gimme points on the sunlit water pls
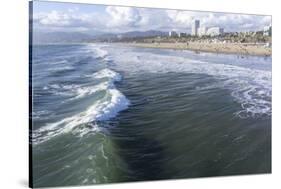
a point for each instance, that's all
(108, 113)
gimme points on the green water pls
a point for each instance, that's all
(108, 114)
(170, 131)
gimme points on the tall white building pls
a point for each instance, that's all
(202, 31)
(194, 27)
(214, 31)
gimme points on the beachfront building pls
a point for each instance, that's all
(202, 31)
(195, 26)
(267, 31)
(214, 31)
(173, 34)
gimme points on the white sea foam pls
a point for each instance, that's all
(85, 91)
(250, 87)
(100, 110)
(80, 91)
(59, 62)
(38, 114)
(62, 90)
(62, 68)
(99, 51)
(107, 73)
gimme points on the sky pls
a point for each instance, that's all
(89, 18)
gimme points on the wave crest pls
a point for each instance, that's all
(102, 109)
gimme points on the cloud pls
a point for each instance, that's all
(122, 19)
(122, 16)
(181, 17)
(235, 22)
(69, 20)
(55, 18)
(228, 21)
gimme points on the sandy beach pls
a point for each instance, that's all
(233, 48)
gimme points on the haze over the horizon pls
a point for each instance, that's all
(89, 18)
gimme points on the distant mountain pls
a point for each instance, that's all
(150, 33)
(76, 37)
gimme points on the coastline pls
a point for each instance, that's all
(228, 48)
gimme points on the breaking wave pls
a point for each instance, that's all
(102, 109)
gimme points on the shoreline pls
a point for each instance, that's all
(226, 48)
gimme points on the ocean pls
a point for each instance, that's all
(107, 113)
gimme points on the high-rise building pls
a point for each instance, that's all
(202, 31)
(194, 27)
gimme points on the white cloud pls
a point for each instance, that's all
(122, 16)
(181, 17)
(121, 19)
(56, 18)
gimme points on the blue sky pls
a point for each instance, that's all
(73, 17)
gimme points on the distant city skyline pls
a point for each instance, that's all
(90, 18)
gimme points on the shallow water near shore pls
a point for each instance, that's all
(105, 113)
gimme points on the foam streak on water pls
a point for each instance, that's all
(250, 87)
(98, 51)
